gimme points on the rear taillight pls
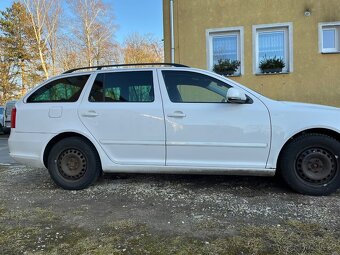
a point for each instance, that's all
(13, 117)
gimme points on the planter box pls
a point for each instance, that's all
(226, 73)
(272, 70)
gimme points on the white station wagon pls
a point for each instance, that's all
(169, 118)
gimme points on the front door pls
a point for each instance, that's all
(202, 130)
(123, 111)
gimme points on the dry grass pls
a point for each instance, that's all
(39, 231)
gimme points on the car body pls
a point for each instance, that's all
(171, 120)
(7, 116)
(1, 117)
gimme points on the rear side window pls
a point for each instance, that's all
(134, 86)
(61, 90)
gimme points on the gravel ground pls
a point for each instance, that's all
(163, 214)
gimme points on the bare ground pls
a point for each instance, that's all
(163, 214)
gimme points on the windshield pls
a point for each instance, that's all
(9, 108)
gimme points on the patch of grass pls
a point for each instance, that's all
(2, 210)
(207, 224)
(123, 225)
(32, 232)
(130, 238)
(292, 238)
(16, 240)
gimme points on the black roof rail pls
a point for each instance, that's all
(122, 65)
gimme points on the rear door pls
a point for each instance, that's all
(123, 111)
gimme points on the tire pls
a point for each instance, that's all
(310, 164)
(74, 164)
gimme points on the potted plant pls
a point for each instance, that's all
(272, 65)
(226, 67)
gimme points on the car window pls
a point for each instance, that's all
(190, 93)
(9, 107)
(191, 87)
(134, 86)
(1, 111)
(61, 90)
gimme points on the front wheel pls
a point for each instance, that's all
(310, 164)
(73, 163)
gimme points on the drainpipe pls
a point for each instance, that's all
(172, 35)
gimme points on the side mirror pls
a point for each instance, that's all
(236, 96)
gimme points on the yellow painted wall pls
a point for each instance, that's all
(316, 76)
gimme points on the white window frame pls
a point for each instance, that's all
(288, 31)
(329, 26)
(220, 32)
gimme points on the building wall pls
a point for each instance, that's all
(315, 77)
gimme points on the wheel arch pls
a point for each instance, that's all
(61, 136)
(322, 131)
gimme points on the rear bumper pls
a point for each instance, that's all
(29, 160)
(28, 148)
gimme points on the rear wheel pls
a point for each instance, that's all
(310, 164)
(73, 163)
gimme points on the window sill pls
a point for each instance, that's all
(330, 52)
(260, 74)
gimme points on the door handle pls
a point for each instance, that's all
(90, 114)
(177, 114)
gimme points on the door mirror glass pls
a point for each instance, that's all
(236, 96)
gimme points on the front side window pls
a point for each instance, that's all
(61, 90)
(134, 86)
(190, 87)
(329, 34)
(273, 48)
